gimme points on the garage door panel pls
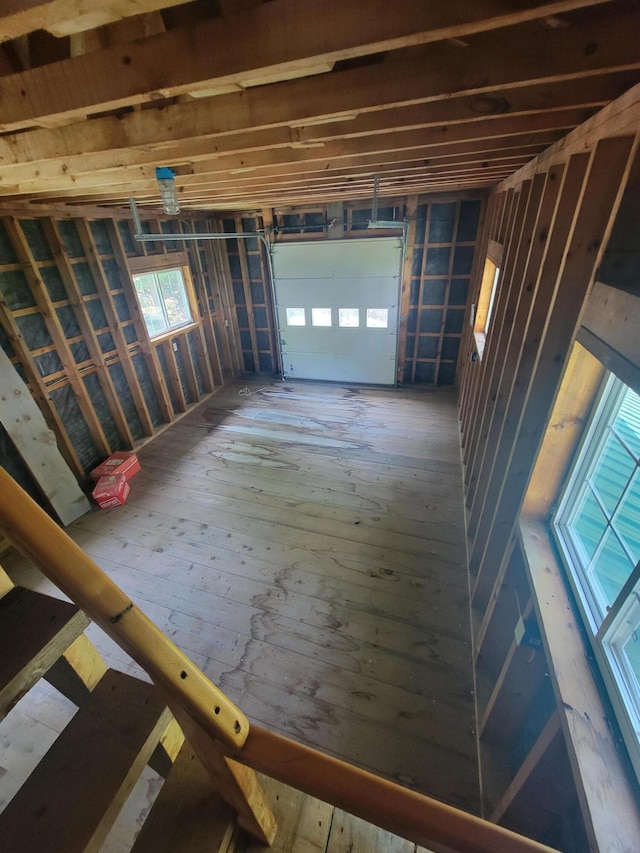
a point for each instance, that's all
(338, 259)
(307, 292)
(328, 367)
(344, 350)
(346, 344)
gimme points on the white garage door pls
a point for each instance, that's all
(337, 305)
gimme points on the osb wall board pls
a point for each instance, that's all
(442, 235)
(71, 325)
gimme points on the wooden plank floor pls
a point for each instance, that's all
(305, 546)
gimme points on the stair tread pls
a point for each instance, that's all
(188, 816)
(35, 629)
(71, 799)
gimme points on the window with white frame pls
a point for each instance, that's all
(597, 526)
(164, 300)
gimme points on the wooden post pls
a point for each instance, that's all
(405, 293)
(238, 785)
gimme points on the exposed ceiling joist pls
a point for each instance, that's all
(65, 17)
(272, 39)
(431, 96)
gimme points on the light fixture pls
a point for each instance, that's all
(168, 191)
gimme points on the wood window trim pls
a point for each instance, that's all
(604, 780)
(482, 309)
(159, 263)
(606, 793)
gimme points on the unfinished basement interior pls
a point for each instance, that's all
(319, 426)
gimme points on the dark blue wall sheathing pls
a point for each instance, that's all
(12, 463)
(162, 358)
(68, 409)
(121, 385)
(99, 403)
(191, 340)
(148, 391)
(183, 376)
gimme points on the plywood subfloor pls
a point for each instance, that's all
(305, 546)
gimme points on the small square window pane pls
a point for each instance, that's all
(174, 294)
(321, 316)
(611, 568)
(588, 524)
(349, 318)
(296, 317)
(627, 519)
(627, 423)
(377, 318)
(623, 640)
(150, 303)
(612, 472)
(631, 653)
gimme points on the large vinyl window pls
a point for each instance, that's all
(164, 300)
(597, 525)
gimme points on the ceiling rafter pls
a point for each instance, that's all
(274, 40)
(430, 96)
(65, 17)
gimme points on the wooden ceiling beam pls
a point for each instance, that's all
(269, 41)
(204, 201)
(269, 141)
(392, 147)
(510, 131)
(353, 181)
(344, 194)
(326, 186)
(418, 158)
(66, 17)
(71, 170)
(354, 94)
(513, 158)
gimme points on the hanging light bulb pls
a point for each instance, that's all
(168, 190)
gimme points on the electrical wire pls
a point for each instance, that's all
(247, 392)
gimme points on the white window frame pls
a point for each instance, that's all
(189, 294)
(609, 625)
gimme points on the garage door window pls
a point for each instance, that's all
(296, 317)
(349, 318)
(321, 316)
(377, 318)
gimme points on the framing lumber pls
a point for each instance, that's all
(299, 32)
(37, 446)
(66, 17)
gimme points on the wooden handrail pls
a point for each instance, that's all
(37, 536)
(418, 818)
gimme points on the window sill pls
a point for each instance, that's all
(173, 333)
(607, 795)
